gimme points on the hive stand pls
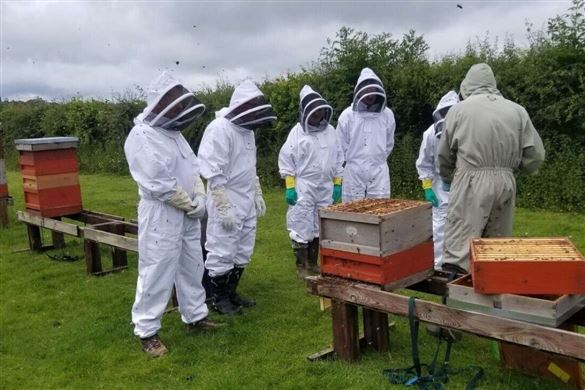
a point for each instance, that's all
(100, 228)
(348, 296)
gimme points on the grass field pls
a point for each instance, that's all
(63, 329)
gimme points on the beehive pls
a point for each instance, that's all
(50, 175)
(529, 266)
(380, 241)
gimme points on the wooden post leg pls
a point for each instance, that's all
(93, 261)
(376, 330)
(4, 212)
(58, 238)
(35, 241)
(119, 257)
(345, 330)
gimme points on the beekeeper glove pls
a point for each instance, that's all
(336, 190)
(199, 200)
(259, 200)
(427, 185)
(225, 210)
(291, 193)
(181, 200)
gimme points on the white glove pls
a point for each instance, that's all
(225, 210)
(181, 200)
(198, 203)
(259, 200)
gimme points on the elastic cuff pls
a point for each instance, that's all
(289, 181)
(427, 183)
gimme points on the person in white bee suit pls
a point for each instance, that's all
(487, 140)
(227, 156)
(366, 129)
(427, 166)
(310, 161)
(172, 200)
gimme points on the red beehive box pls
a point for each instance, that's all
(530, 266)
(50, 175)
(380, 241)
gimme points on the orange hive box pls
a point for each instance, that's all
(50, 175)
(387, 242)
(529, 266)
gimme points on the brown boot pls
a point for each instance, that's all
(206, 324)
(153, 346)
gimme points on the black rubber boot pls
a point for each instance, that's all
(234, 280)
(220, 295)
(313, 258)
(206, 281)
(301, 252)
(453, 268)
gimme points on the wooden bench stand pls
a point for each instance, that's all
(100, 228)
(347, 296)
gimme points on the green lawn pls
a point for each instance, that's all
(63, 329)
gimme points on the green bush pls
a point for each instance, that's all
(548, 78)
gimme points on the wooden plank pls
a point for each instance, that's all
(48, 223)
(345, 330)
(94, 217)
(115, 240)
(110, 271)
(522, 333)
(93, 260)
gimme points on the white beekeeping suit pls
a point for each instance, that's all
(366, 129)
(427, 166)
(227, 156)
(310, 161)
(172, 198)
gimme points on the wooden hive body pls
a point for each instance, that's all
(49, 169)
(380, 241)
(530, 266)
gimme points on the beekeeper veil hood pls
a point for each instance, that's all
(315, 112)
(447, 101)
(479, 79)
(369, 94)
(170, 105)
(248, 107)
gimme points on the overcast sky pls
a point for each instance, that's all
(59, 49)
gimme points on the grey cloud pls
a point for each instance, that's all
(95, 48)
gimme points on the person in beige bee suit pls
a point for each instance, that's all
(487, 140)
